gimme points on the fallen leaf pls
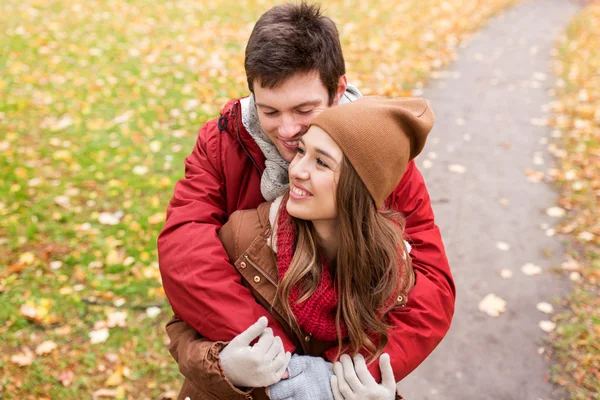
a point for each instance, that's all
(152, 312)
(168, 395)
(111, 357)
(116, 378)
(547, 326)
(63, 201)
(54, 265)
(15, 268)
(555, 212)
(534, 176)
(156, 218)
(155, 146)
(24, 358)
(506, 274)
(66, 378)
(545, 307)
(45, 347)
(140, 170)
(104, 393)
(63, 330)
(107, 218)
(99, 336)
(571, 265)
(27, 258)
(575, 276)
(115, 257)
(539, 121)
(502, 246)
(541, 350)
(586, 236)
(117, 318)
(457, 168)
(492, 305)
(531, 269)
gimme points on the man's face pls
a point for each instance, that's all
(286, 111)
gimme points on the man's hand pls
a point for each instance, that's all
(260, 365)
(354, 382)
(308, 380)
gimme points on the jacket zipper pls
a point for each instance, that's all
(237, 131)
(267, 277)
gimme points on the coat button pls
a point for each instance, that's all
(243, 264)
(307, 338)
(257, 279)
(400, 298)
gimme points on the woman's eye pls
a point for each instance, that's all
(322, 163)
(300, 151)
(270, 113)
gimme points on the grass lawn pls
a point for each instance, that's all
(100, 103)
(577, 119)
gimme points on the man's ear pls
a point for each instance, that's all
(341, 89)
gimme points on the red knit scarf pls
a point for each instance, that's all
(315, 315)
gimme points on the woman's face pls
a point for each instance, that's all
(314, 174)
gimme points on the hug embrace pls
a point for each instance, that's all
(300, 254)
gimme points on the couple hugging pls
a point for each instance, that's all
(300, 254)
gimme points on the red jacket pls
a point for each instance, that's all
(222, 175)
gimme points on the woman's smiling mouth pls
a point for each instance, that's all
(297, 193)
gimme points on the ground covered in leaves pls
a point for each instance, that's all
(101, 103)
(577, 147)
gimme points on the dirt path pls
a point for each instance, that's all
(489, 107)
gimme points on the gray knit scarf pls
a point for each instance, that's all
(274, 181)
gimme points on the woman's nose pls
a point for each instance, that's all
(299, 170)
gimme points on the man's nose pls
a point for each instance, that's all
(288, 128)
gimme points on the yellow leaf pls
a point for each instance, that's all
(156, 218)
(27, 258)
(114, 257)
(116, 378)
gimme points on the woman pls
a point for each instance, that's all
(326, 260)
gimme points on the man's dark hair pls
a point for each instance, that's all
(290, 39)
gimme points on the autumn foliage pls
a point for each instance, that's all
(577, 176)
(101, 101)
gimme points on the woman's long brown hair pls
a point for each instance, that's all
(370, 270)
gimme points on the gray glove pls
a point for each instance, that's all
(309, 379)
(260, 365)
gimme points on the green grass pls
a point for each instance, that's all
(101, 101)
(575, 342)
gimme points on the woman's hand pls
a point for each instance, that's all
(308, 380)
(354, 381)
(260, 365)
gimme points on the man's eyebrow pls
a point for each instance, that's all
(315, 102)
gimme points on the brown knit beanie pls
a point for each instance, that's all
(379, 137)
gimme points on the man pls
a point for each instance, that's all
(295, 69)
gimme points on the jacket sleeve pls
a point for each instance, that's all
(421, 325)
(198, 360)
(204, 289)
